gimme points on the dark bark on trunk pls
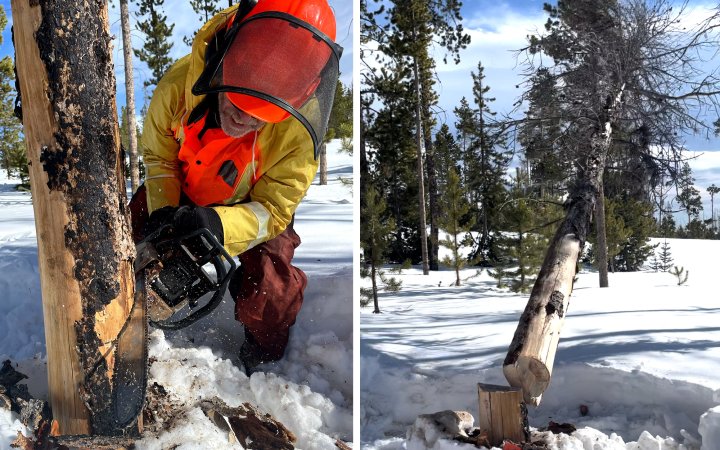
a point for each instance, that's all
(457, 266)
(600, 230)
(373, 276)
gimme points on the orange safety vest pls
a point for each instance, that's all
(217, 169)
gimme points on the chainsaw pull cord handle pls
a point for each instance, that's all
(218, 260)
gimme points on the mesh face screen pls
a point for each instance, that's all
(275, 68)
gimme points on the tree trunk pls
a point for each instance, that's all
(420, 171)
(434, 251)
(531, 355)
(600, 230)
(130, 96)
(85, 251)
(373, 275)
(323, 165)
(433, 197)
(457, 262)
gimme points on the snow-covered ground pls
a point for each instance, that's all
(310, 390)
(642, 355)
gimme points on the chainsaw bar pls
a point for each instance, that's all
(131, 355)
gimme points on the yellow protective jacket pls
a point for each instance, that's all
(267, 195)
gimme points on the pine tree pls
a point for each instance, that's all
(455, 209)
(541, 137)
(375, 231)
(340, 122)
(486, 170)
(205, 9)
(414, 24)
(522, 244)
(712, 190)
(156, 50)
(665, 257)
(12, 146)
(689, 197)
(465, 126)
(639, 225)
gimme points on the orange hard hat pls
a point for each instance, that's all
(280, 54)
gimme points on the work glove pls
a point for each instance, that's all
(192, 218)
(158, 218)
(185, 220)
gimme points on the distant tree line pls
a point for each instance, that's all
(598, 150)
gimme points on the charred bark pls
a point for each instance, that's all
(65, 71)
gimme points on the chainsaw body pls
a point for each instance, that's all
(177, 271)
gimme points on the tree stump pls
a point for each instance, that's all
(502, 413)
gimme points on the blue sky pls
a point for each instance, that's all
(186, 22)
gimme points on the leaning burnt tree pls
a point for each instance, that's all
(85, 251)
(630, 65)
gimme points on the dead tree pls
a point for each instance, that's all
(85, 251)
(616, 65)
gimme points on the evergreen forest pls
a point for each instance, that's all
(594, 148)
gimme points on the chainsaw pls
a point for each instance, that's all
(171, 276)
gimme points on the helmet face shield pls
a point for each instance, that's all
(274, 66)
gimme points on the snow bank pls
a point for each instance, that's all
(642, 355)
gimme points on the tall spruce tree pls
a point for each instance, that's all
(156, 49)
(541, 137)
(487, 165)
(465, 128)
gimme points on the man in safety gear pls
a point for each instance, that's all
(230, 144)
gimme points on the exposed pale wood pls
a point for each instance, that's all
(85, 251)
(502, 413)
(534, 353)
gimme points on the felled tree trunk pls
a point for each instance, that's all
(85, 252)
(530, 358)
